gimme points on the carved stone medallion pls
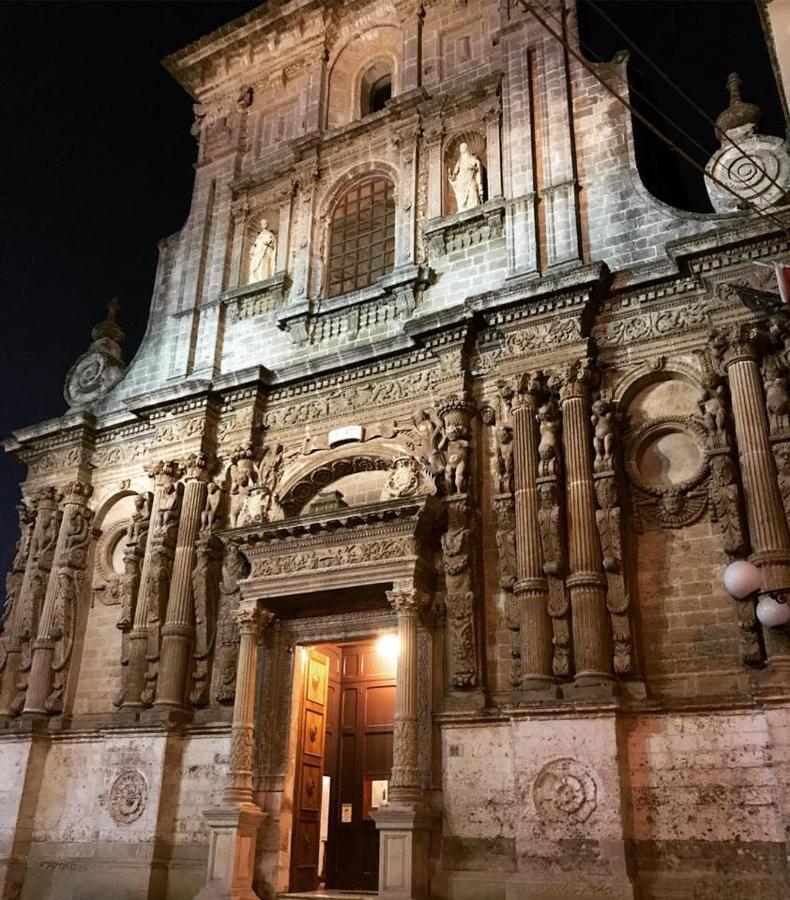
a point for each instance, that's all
(128, 797)
(564, 792)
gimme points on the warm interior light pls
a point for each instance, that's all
(388, 646)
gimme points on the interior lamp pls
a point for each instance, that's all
(742, 578)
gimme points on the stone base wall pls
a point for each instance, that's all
(695, 807)
(108, 815)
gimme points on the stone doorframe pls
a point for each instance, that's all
(393, 542)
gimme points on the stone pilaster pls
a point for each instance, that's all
(405, 781)
(411, 15)
(133, 670)
(234, 825)
(531, 587)
(22, 626)
(55, 638)
(404, 824)
(768, 528)
(586, 580)
(405, 139)
(178, 631)
(433, 132)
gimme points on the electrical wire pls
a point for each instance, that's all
(528, 7)
(676, 87)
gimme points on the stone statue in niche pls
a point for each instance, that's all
(263, 255)
(466, 179)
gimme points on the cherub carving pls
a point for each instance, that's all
(549, 446)
(603, 420)
(456, 448)
(169, 504)
(270, 467)
(713, 408)
(209, 518)
(428, 428)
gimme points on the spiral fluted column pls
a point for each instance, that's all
(178, 631)
(586, 581)
(531, 587)
(768, 529)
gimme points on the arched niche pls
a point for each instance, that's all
(375, 86)
(268, 218)
(96, 663)
(476, 142)
(379, 46)
(649, 394)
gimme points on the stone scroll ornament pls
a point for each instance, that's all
(499, 420)
(725, 502)
(101, 366)
(551, 523)
(69, 572)
(205, 592)
(16, 574)
(34, 587)
(452, 457)
(160, 567)
(751, 169)
(235, 567)
(609, 517)
(565, 793)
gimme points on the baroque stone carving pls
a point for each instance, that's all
(235, 567)
(564, 792)
(101, 366)
(205, 592)
(750, 169)
(458, 561)
(345, 555)
(128, 797)
(624, 331)
(408, 478)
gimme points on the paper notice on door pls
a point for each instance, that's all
(378, 794)
(346, 812)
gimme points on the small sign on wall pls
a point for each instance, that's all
(346, 812)
(348, 434)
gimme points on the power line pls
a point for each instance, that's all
(528, 7)
(679, 90)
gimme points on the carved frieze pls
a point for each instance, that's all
(128, 797)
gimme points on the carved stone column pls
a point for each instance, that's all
(52, 647)
(405, 782)
(234, 825)
(768, 528)
(531, 587)
(21, 614)
(405, 138)
(179, 629)
(404, 824)
(586, 581)
(133, 669)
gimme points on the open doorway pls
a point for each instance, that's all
(343, 763)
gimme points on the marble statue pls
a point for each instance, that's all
(263, 254)
(466, 180)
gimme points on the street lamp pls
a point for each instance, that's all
(742, 578)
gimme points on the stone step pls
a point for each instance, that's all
(327, 895)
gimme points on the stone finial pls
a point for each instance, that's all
(101, 366)
(739, 112)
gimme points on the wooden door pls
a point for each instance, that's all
(309, 775)
(364, 756)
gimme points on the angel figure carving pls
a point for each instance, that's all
(466, 179)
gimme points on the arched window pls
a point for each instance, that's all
(361, 236)
(375, 88)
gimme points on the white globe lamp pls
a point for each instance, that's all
(771, 613)
(741, 578)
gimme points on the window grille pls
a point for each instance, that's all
(361, 236)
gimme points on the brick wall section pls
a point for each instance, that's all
(689, 624)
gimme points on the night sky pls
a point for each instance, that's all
(96, 162)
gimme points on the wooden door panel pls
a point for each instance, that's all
(309, 774)
(364, 751)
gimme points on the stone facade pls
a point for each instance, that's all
(530, 446)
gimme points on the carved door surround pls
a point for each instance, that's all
(388, 544)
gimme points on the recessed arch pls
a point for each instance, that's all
(316, 472)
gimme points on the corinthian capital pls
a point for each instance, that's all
(405, 599)
(251, 618)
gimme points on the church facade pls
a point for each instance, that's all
(394, 560)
